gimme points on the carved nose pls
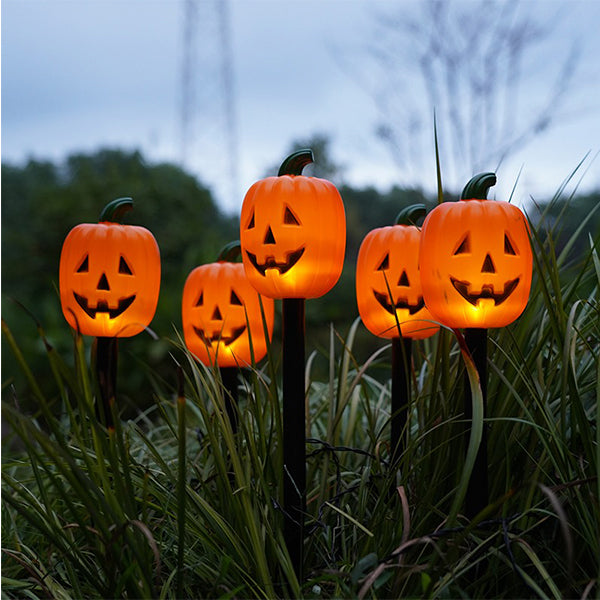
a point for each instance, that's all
(216, 316)
(488, 265)
(103, 283)
(403, 279)
(269, 237)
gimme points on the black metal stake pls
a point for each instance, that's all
(401, 360)
(477, 491)
(229, 376)
(294, 435)
(106, 371)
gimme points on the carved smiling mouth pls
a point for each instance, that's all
(384, 300)
(217, 337)
(487, 291)
(102, 306)
(271, 263)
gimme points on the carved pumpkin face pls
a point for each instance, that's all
(293, 236)
(388, 284)
(222, 320)
(109, 279)
(476, 263)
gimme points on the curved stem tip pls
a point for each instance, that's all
(114, 211)
(411, 214)
(478, 186)
(230, 252)
(295, 162)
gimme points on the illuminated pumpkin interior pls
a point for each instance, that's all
(486, 289)
(476, 261)
(102, 293)
(222, 318)
(293, 233)
(388, 283)
(288, 259)
(109, 278)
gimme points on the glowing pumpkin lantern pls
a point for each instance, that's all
(221, 313)
(109, 275)
(476, 259)
(293, 232)
(388, 281)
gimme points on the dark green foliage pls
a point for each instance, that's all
(173, 504)
(41, 202)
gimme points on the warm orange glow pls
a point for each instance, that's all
(109, 279)
(388, 285)
(222, 320)
(293, 236)
(476, 263)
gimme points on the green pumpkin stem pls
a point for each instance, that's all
(230, 252)
(295, 162)
(478, 187)
(114, 211)
(410, 215)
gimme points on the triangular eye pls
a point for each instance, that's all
(251, 223)
(464, 247)
(508, 247)
(124, 267)
(385, 263)
(234, 299)
(84, 267)
(289, 218)
(200, 300)
(404, 279)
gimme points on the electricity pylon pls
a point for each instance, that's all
(208, 125)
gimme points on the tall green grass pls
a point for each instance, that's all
(174, 504)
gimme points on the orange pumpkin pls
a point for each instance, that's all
(476, 259)
(109, 275)
(388, 281)
(293, 233)
(221, 314)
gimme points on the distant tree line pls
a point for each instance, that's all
(42, 201)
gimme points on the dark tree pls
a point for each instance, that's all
(42, 201)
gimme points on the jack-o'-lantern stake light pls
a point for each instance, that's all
(475, 259)
(390, 303)
(293, 232)
(293, 237)
(222, 315)
(388, 280)
(109, 280)
(109, 275)
(224, 320)
(476, 269)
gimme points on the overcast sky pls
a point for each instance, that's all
(82, 74)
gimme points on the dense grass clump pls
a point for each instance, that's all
(175, 504)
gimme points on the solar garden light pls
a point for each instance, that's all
(293, 237)
(109, 280)
(390, 303)
(476, 267)
(225, 321)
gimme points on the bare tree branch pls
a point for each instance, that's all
(473, 63)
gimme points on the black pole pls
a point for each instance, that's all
(106, 371)
(229, 376)
(401, 361)
(294, 436)
(477, 491)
